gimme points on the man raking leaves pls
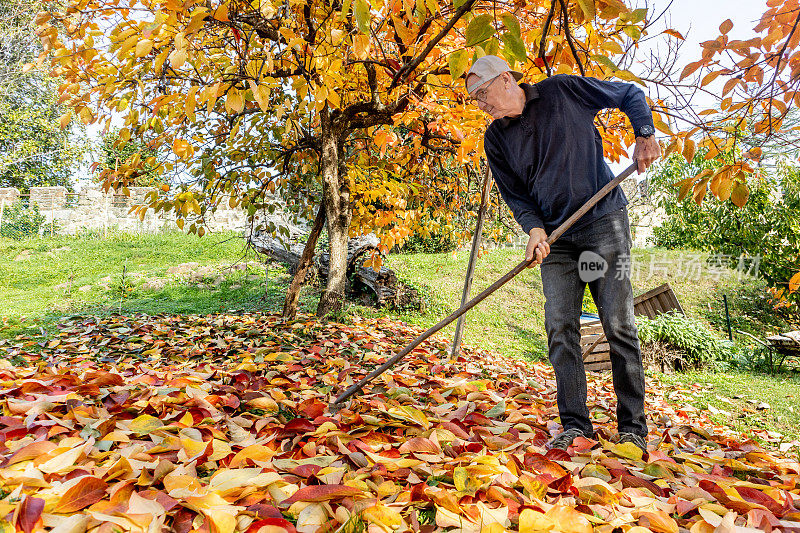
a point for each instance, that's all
(546, 157)
(547, 160)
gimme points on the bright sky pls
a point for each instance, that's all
(699, 20)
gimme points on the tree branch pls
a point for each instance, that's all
(414, 63)
(569, 37)
(543, 42)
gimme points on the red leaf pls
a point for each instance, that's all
(30, 510)
(299, 425)
(279, 522)
(305, 470)
(84, 493)
(756, 496)
(321, 493)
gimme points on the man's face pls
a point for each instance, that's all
(492, 96)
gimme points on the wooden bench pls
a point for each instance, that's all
(595, 348)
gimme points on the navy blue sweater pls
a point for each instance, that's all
(548, 161)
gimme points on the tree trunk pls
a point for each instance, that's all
(293, 293)
(336, 198)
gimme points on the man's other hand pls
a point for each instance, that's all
(647, 150)
(537, 246)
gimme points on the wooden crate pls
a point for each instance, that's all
(662, 299)
(599, 358)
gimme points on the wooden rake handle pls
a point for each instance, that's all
(558, 232)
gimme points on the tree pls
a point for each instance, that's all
(766, 227)
(256, 97)
(34, 150)
(116, 151)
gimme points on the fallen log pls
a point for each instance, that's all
(383, 284)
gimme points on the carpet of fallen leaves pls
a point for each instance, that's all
(221, 423)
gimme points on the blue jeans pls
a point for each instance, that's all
(565, 273)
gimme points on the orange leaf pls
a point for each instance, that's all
(794, 283)
(691, 67)
(659, 521)
(725, 27)
(689, 149)
(674, 33)
(84, 493)
(419, 444)
(32, 450)
(321, 493)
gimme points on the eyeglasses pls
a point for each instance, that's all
(480, 94)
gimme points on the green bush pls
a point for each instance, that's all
(20, 222)
(699, 345)
(435, 244)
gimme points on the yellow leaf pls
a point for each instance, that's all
(662, 127)
(62, 462)
(143, 47)
(740, 193)
(568, 519)
(191, 104)
(531, 521)
(460, 478)
(588, 8)
(627, 450)
(221, 514)
(234, 102)
(65, 119)
(383, 515)
(145, 424)
(222, 13)
(312, 517)
(178, 57)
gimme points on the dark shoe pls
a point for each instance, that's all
(563, 440)
(634, 438)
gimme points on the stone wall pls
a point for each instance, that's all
(93, 209)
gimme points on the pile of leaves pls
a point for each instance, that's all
(222, 423)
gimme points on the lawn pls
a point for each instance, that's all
(44, 279)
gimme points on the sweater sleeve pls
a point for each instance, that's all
(511, 188)
(597, 95)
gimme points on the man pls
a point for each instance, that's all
(546, 157)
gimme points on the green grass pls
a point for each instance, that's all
(30, 271)
(734, 398)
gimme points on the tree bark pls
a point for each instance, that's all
(306, 260)
(336, 198)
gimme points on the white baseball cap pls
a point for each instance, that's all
(487, 68)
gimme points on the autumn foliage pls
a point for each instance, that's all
(221, 423)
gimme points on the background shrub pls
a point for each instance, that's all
(21, 221)
(698, 346)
